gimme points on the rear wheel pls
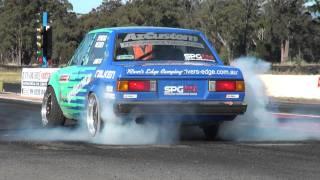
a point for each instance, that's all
(93, 115)
(211, 131)
(51, 113)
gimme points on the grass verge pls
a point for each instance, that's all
(10, 77)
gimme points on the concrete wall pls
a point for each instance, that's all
(292, 86)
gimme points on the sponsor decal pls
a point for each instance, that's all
(36, 91)
(105, 74)
(188, 90)
(209, 72)
(157, 36)
(184, 63)
(161, 39)
(99, 44)
(232, 96)
(161, 43)
(64, 78)
(199, 57)
(109, 88)
(102, 38)
(124, 57)
(76, 89)
(34, 83)
(101, 41)
(130, 96)
(97, 61)
(37, 74)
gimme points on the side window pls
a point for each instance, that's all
(98, 50)
(74, 59)
(81, 55)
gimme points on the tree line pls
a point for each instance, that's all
(275, 30)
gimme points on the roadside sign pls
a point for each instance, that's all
(34, 81)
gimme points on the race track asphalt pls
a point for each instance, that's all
(191, 158)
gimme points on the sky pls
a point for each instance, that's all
(84, 6)
(310, 2)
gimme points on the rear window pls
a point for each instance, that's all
(161, 46)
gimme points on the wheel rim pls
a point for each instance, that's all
(46, 109)
(93, 116)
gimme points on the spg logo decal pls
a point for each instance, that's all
(188, 90)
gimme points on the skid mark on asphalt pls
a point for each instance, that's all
(274, 144)
(60, 147)
(80, 146)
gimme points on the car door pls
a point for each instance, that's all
(95, 55)
(71, 83)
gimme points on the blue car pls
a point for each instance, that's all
(139, 72)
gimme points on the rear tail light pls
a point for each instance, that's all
(136, 86)
(240, 86)
(123, 86)
(227, 86)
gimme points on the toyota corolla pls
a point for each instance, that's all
(138, 72)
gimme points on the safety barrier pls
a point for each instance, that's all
(292, 86)
(34, 82)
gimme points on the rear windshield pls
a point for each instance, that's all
(161, 46)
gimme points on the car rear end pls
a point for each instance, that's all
(181, 95)
(179, 74)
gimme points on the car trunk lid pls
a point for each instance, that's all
(184, 80)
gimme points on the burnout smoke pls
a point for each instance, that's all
(259, 124)
(122, 131)
(115, 131)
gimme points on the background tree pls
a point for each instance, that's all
(275, 30)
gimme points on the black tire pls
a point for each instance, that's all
(211, 131)
(51, 113)
(93, 116)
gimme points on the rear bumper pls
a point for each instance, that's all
(180, 108)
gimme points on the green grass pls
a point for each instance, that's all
(10, 77)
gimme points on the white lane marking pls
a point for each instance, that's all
(275, 144)
(23, 100)
(297, 115)
(139, 146)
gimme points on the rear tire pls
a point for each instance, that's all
(51, 113)
(212, 131)
(93, 117)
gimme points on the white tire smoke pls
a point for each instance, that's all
(258, 124)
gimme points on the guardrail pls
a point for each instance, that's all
(34, 81)
(292, 86)
(10, 68)
(307, 69)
